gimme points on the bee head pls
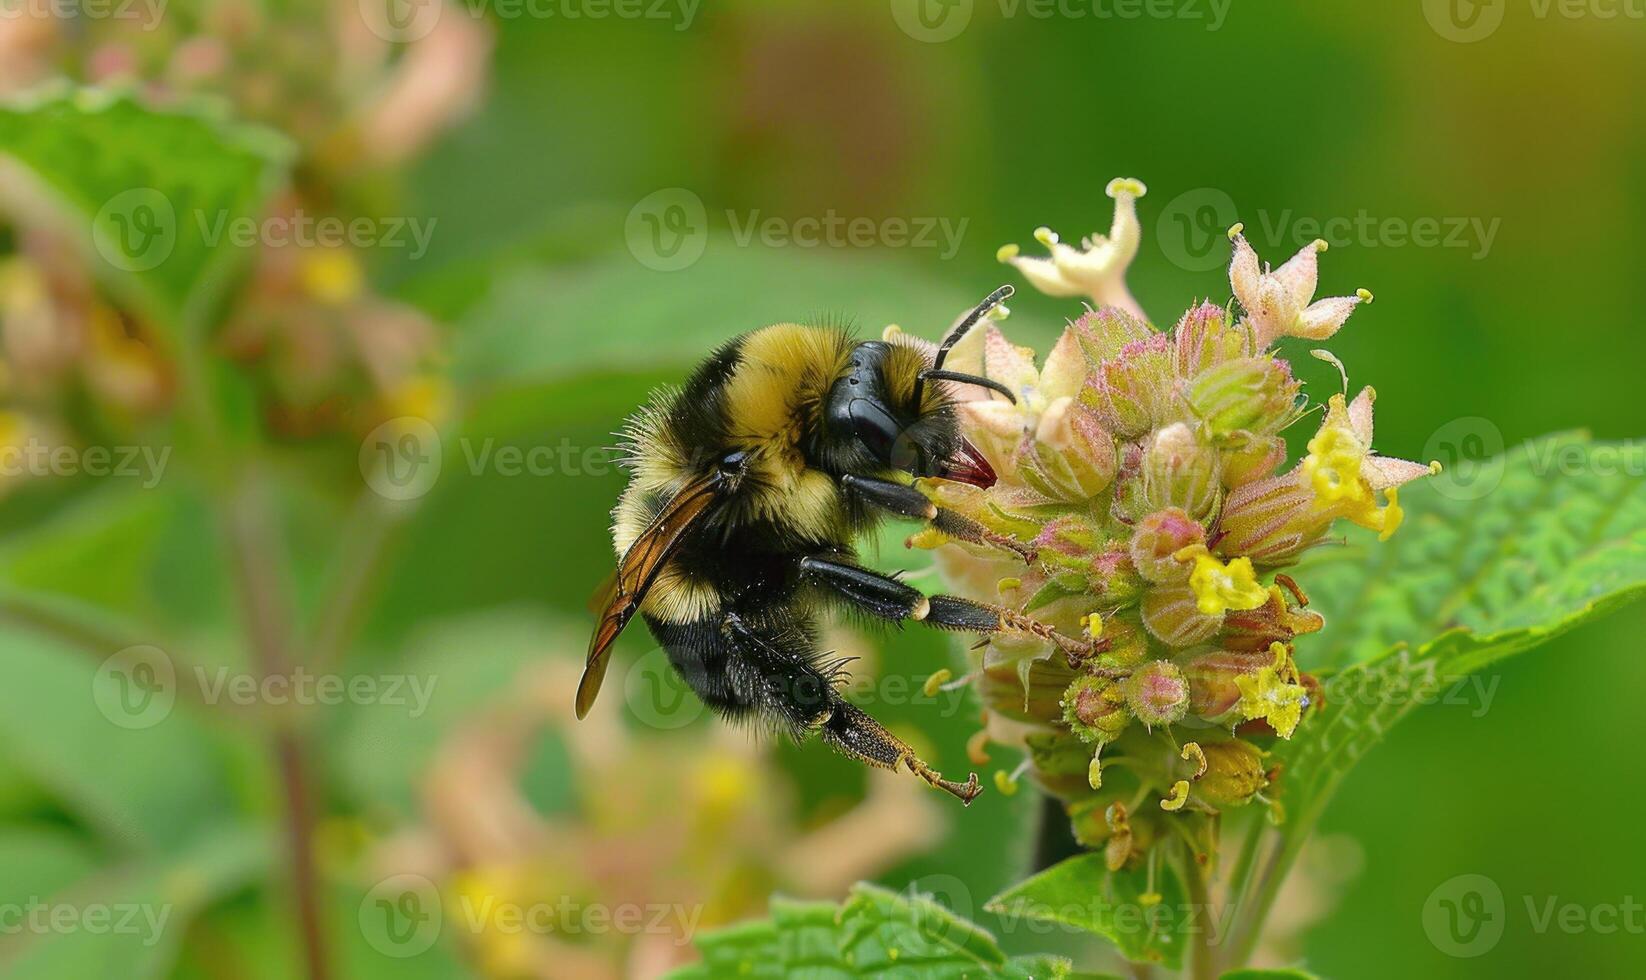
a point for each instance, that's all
(882, 415)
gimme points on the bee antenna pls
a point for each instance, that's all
(961, 329)
(970, 379)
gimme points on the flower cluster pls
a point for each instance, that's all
(1146, 469)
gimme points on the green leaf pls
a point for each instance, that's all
(875, 933)
(146, 781)
(1557, 539)
(1084, 894)
(129, 920)
(539, 324)
(153, 196)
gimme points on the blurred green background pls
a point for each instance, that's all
(557, 320)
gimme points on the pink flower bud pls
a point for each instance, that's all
(1160, 536)
(1204, 338)
(1157, 693)
(1213, 693)
(1135, 390)
(1271, 521)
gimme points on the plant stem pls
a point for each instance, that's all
(255, 556)
(373, 524)
(1202, 955)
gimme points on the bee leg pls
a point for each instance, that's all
(853, 733)
(906, 501)
(796, 692)
(887, 598)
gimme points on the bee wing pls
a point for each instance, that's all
(635, 575)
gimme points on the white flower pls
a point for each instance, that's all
(1280, 302)
(1098, 268)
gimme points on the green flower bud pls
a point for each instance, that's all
(1157, 693)
(1177, 469)
(1135, 390)
(1095, 709)
(1160, 536)
(1248, 458)
(1249, 394)
(1128, 644)
(1234, 773)
(1103, 333)
(1071, 457)
(1172, 613)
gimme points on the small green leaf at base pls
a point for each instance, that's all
(1084, 894)
(875, 932)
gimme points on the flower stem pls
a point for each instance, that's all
(255, 557)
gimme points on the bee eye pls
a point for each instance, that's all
(732, 463)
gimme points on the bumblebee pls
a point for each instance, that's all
(750, 484)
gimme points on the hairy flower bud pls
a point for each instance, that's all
(1071, 457)
(1234, 773)
(1248, 458)
(1205, 338)
(1172, 613)
(1157, 693)
(1213, 693)
(1095, 709)
(1177, 469)
(1250, 394)
(1102, 334)
(1271, 521)
(1134, 391)
(1158, 538)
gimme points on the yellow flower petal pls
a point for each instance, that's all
(1219, 587)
